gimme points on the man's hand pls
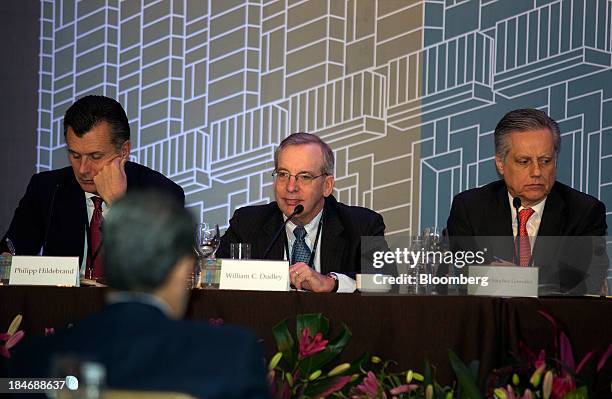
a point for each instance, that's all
(305, 278)
(111, 181)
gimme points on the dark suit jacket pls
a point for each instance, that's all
(563, 258)
(142, 349)
(64, 225)
(343, 227)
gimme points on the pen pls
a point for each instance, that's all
(11, 246)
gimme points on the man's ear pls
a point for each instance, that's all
(329, 186)
(499, 164)
(126, 148)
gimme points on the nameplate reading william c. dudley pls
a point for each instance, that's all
(45, 270)
(254, 275)
(504, 281)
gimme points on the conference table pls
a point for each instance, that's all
(407, 329)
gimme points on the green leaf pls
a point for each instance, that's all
(285, 343)
(427, 374)
(578, 393)
(467, 384)
(326, 386)
(315, 322)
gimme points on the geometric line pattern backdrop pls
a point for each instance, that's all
(407, 93)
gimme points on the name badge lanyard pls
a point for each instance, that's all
(314, 249)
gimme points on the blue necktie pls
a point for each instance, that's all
(300, 251)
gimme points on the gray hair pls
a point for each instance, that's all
(523, 120)
(145, 234)
(308, 138)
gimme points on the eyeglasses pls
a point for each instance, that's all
(282, 176)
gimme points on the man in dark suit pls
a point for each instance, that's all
(527, 143)
(323, 242)
(139, 337)
(56, 211)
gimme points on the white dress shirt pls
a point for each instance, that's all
(533, 223)
(345, 283)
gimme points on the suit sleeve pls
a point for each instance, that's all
(457, 223)
(231, 235)
(595, 221)
(26, 230)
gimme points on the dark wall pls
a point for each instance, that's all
(19, 31)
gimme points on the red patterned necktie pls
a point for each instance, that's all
(523, 236)
(95, 235)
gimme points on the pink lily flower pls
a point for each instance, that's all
(310, 346)
(49, 331)
(403, 389)
(11, 340)
(368, 389)
(562, 385)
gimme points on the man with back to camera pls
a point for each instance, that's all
(527, 145)
(139, 337)
(62, 210)
(323, 241)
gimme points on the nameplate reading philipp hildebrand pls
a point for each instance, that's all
(44, 270)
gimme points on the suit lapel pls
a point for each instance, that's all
(554, 215)
(269, 229)
(332, 241)
(500, 225)
(546, 246)
(69, 216)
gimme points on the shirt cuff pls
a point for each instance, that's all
(345, 283)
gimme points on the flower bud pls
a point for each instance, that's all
(289, 379)
(375, 359)
(418, 377)
(354, 377)
(315, 375)
(274, 361)
(515, 379)
(409, 376)
(547, 384)
(537, 375)
(429, 392)
(339, 369)
(500, 393)
(449, 395)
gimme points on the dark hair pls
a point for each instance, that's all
(308, 138)
(145, 234)
(523, 120)
(88, 111)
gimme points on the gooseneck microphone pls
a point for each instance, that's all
(516, 203)
(299, 208)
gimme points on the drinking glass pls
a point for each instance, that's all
(206, 241)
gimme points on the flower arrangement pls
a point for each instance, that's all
(304, 368)
(536, 375)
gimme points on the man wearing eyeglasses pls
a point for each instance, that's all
(323, 242)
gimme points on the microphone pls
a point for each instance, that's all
(516, 203)
(50, 219)
(299, 208)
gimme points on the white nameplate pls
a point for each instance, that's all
(504, 281)
(44, 270)
(254, 275)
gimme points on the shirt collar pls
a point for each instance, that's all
(537, 208)
(311, 227)
(138, 297)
